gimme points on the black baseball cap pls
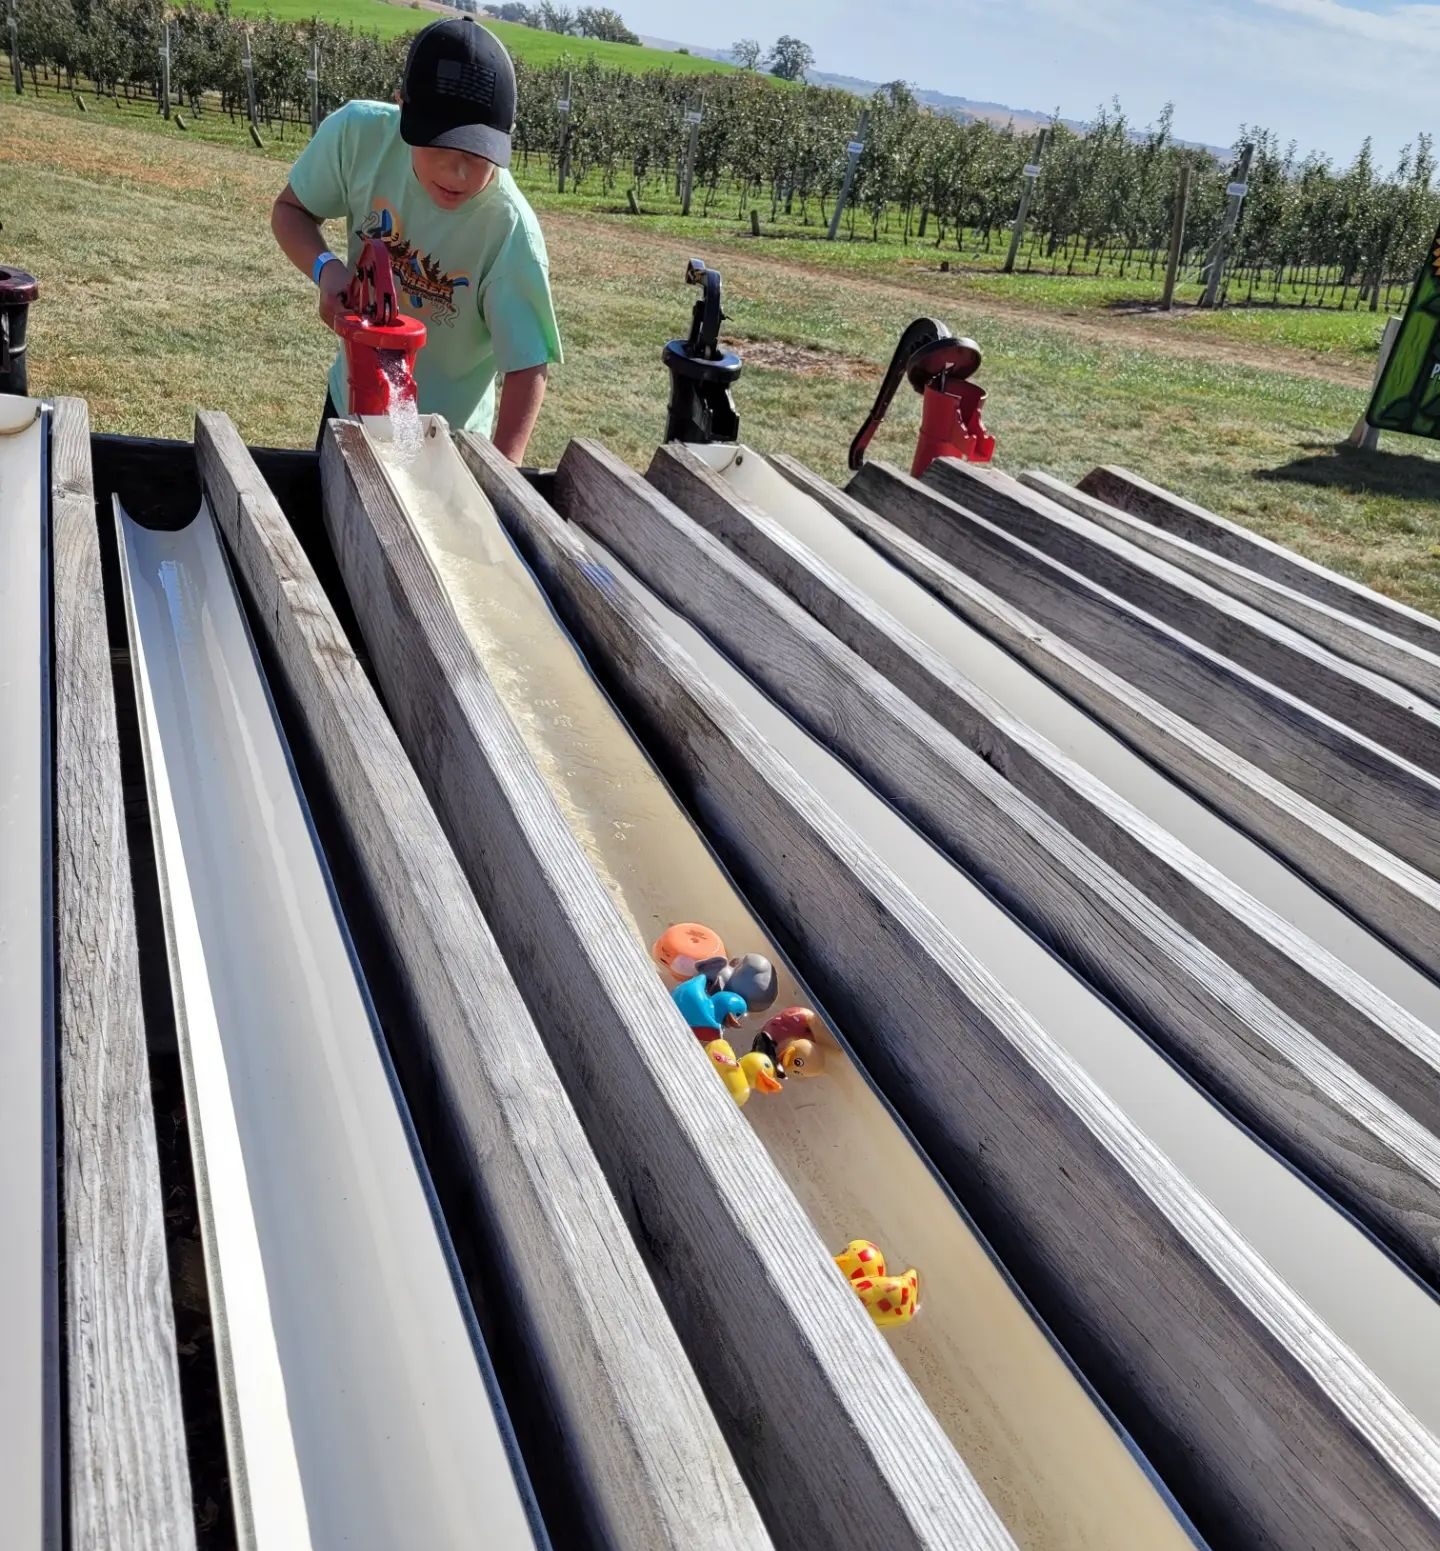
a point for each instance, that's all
(458, 91)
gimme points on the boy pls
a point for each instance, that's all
(428, 177)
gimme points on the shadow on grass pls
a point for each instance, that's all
(1340, 466)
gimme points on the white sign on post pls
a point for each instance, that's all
(1032, 169)
(312, 75)
(563, 104)
(855, 147)
(1237, 190)
(692, 116)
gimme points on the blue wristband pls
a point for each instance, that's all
(321, 262)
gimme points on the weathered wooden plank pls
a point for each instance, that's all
(630, 1426)
(1335, 1125)
(1187, 973)
(1344, 634)
(1119, 487)
(832, 1437)
(1370, 788)
(1396, 900)
(128, 1481)
(1395, 718)
(1210, 1359)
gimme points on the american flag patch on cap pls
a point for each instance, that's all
(457, 78)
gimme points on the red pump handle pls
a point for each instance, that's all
(372, 291)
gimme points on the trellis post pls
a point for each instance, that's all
(1177, 237)
(13, 28)
(312, 75)
(1027, 193)
(693, 117)
(165, 71)
(854, 151)
(563, 107)
(1236, 192)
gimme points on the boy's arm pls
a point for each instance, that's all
(520, 312)
(302, 242)
(521, 395)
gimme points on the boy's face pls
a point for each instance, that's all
(450, 177)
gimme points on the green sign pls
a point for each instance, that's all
(1407, 397)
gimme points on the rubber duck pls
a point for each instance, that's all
(740, 1076)
(707, 1014)
(681, 949)
(889, 1300)
(760, 1072)
(789, 1041)
(750, 975)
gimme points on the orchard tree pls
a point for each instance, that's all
(556, 18)
(791, 59)
(49, 35)
(603, 23)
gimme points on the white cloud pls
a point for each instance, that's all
(1402, 26)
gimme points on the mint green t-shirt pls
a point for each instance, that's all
(477, 277)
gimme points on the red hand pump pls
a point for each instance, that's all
(939, 367)
(381, 342)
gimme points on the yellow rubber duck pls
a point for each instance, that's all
(889, 1300)
(753, 1070)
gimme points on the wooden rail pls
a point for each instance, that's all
(1344, 634)
(1397, 901)
(832, 1437)
(1367, 786)
(1355, 697)
(1098, 880)
(1210, 1351)
(128, 1481)
(631, 1441)
(1119, 487)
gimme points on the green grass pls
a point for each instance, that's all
(528, 43)
(163, 293)
(370, 15)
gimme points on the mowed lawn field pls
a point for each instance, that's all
(532, 44)
(163, 293)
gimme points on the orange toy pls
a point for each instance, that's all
(680, 950)
(889, 1300)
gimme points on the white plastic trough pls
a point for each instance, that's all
(359, 1405)
(29, 1359)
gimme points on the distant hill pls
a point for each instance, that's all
(965, 109)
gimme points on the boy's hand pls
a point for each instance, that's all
(334, 283)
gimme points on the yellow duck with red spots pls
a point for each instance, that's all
(750, 1071)
(889, 1300)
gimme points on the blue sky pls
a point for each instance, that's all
(1324, 72)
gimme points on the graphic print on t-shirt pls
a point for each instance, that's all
(430, 290)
